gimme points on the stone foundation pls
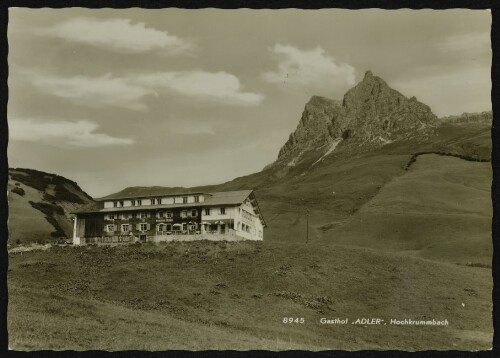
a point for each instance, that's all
(228, 236)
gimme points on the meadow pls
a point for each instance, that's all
(217, 295)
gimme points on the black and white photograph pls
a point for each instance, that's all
(249, 179)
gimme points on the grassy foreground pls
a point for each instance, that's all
(217, 295)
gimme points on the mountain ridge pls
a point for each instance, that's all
(350, 148)
(371, 110)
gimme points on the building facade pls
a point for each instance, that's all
(231, 216)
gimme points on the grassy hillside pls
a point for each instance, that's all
(387, 240)
(440, 209)
(212, 295)
(39, 205)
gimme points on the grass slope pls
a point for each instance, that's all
(26, 224)
(384, 243)
(440, 209)
(235, 295)
(39, 212)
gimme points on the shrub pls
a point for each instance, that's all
(49, 210)
(18, 191)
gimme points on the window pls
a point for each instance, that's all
(153, 201)
(132, 202)
(142, 215)
(158, 201)
(196, 198)
(125, 228)
(207, 211)
(184, 199)
(111, 216)
(169, 214)
(110, 228)
(168, 227)
(161, 214)
(121, 204)
(143, 227)
(222, 211)
(160, 228)
(183, 214)
(115, 204)
(192, 227)
(139, 202)
(124, 216)
(194, 212)
(184, 227)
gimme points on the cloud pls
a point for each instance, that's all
(211, 86)
(308, 67)
(119, 34)
(449, 93)
(93, 91)
(129, 92)
(195, 130)
(472, 41)
(75, 134)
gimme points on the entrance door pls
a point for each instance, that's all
(222, 228)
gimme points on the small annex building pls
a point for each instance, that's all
(157, 216)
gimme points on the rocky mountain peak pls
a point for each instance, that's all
(370, 111)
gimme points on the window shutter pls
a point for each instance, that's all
(148, 226)
(138, 227)
(148, 214)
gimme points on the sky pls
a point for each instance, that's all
(116, 98)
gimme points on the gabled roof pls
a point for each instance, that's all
(227, 197)
(210, 199)
(147, 192)
(215, 198)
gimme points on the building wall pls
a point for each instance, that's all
(241, 218)
(245, 217)
(216, 215)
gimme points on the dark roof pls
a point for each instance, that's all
(217, 198)
(211, 199)
(147, 192)
(227, 197)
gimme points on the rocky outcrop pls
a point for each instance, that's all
(370, 110)
(314, 126)
(466, 118)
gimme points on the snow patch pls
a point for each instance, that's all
(334, 145)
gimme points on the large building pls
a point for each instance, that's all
(231, 215)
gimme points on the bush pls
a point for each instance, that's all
(18, 191)
(49, 210)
